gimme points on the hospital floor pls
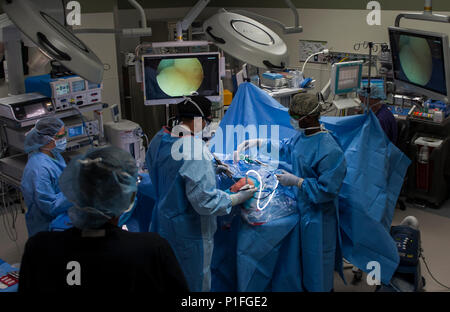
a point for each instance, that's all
(435, 235)
(434, 227)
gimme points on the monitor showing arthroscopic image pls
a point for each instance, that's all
(420, 61)
(169, 77)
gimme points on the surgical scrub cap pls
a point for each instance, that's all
(100, 185)
(303, 104)
(376, 92)
(190, 110)
(42, 133)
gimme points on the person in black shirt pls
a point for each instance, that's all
(97, 255)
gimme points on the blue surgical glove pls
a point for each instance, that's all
(289, 179)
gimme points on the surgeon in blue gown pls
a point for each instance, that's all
(187, 201)
(319, 169)
(43, 198)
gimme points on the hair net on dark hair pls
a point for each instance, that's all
(187, 109)
(304, 104)
(42, 133)
(100, 184)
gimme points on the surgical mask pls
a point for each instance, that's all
(207, 132)
(60, 145)
(321, 127)
(294, 124)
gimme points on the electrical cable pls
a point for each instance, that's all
(260, 190)
(146, 139)
(84, 125)
(428, 269)
(10, 227)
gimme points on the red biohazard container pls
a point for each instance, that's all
(424, 164)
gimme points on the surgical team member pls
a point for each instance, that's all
(187, 199)
(96, 254)
(319, 169)
(44, 145)
(384, 115)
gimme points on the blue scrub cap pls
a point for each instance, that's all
(100, 185)
(376, 92)
(43, 132)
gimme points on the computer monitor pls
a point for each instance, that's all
(77, 85)
(421, 62)
(346, 77)
(61, 88)
(374, 82)
(169, 77)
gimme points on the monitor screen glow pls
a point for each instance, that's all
(78, 85)
(75, 131)
(169, 77)
(419, 60)
(348, 78)
(62, 89)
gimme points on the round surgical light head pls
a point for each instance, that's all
(247, 40)
(54, 39)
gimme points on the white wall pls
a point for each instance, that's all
(104, 46)
(340, 28)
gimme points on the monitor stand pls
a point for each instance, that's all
(343, 102)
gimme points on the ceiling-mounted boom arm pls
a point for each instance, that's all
(128, 32)
(190, 17)
(427, 15)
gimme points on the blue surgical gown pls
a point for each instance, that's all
(320, 161)
(187, 202)
(41, 191)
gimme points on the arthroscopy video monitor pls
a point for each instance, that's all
(169, 77)
(420, 61)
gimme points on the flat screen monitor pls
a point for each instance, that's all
(75, 131)
(169, 77)
(78, 86)
(346, 77)
(420, 61)
(374, 82)
(35, 110)
(62, 89)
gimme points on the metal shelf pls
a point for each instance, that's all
(60, 114)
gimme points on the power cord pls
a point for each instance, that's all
(84, 125)
(10, 225)
(428, 269)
